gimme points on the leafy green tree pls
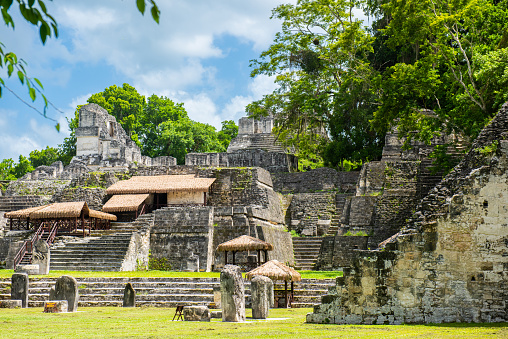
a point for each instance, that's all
(22, 167)
(35, 13)
(44, 157)
(185, 136)
(228, 131)
(6, 170)
(321, 63)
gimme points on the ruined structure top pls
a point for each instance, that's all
(255, 134)
(102, 142)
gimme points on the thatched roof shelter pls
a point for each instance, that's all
(59, 211)
(124, 202)
(160, 184)
(275, 270)
(245, 243)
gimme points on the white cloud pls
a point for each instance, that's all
(201, 108)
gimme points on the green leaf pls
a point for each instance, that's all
(21, 77)
(155, 13)
(141, 6)
(0, 91)
(57, 126)
(32, 93)
(31, 3)
(44, 32)
(10, 69)
(43, 6)
(38, 83)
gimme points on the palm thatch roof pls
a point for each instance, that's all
(160, 184)
(124, 202)
(59, 210)
(244, 243)
(22, 214)
(275, 270)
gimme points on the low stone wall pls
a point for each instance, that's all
(339, 251)
(320, 179)
(36, 187)
(181, 232)
(271, 161)
(95, 197)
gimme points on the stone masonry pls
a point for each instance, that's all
(449, 263)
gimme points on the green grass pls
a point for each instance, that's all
(113, 322)
(170, 274)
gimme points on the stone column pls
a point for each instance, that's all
(66, 288)
(232, 294)
(19, 288)
(261, 291)
(129, 296)
(41, 256)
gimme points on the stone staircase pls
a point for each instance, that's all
(158, 292)
(14, 203)
(104, 253)
(340, 201)
(306, 251)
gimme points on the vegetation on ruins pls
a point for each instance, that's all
(355, 81)
(35, 13)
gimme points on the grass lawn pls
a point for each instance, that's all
(113, 322)
(171, 274)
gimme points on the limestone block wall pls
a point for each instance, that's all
(95, 197)
(308, 211)
(36, 187)
(181, 232)
(449, 263)
(320, 179)
(339, 251)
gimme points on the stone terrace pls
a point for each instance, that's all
(158, 292)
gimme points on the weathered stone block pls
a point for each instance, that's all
(216, 314)
(56, 306)
(232, 294)
(196, 313)
(66, 288)
(28, 269)
(19, 288)
(261, 292)
(129, 296)
(41, 256)
(11, 303)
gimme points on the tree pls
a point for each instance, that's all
(22, 167)
(44, 157)
(35, 13)
(228, 131)
(321, 63)
(6, 170)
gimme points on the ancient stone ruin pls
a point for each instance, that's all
(448, 263)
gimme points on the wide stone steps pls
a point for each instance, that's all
(14, 203)
(105, 253)
(159, 292)
(306, 251)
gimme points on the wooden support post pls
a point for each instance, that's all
(234, 252)
(286, 293)
(259, 257)
(292, 291)
(266, 256)
(225, 258)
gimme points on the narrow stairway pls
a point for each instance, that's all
(306, 251)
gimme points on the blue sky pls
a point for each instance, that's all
(199, 55)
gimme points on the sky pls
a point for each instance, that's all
(199, 55)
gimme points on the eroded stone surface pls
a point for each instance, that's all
(129, 296)
(232, 294)
(262, 296)
(41, 256)
(11, 303)
(66, 288)
(56, 306)
(19, 288)
(449, 263)
(196, 313)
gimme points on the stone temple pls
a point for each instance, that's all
(414, 247)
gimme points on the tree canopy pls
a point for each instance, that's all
(343, 84)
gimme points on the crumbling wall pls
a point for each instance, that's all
(449, 263)
(311, 213)
(180, 233)
(317, 180)
(339, 251)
